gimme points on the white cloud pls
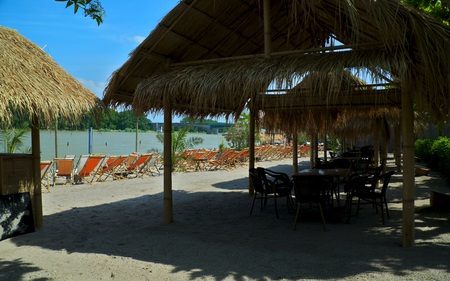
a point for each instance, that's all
(96, 87)
(137, 39)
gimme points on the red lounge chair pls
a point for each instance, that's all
(89, 169)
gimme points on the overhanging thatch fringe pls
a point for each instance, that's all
(33, 84)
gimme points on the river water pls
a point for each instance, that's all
(109, 143)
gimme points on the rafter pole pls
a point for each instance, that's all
(267, 31)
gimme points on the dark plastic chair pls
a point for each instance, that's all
(312, 191)
(376, 196)
(266, 187)
(282, 182)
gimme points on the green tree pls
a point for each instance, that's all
(238, 135)
(433, 7)
(180, 143)
(13, 140)
(91, 8)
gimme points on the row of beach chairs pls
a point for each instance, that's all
(98, 168)
(207, 160)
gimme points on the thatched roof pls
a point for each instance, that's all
(32, 83)
(329, 102)
(208, 58)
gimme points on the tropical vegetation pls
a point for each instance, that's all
(436, 153)
(13, 140)
(180, 143)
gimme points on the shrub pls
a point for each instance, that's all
(436, 153)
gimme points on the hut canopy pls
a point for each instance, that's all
(211, 57)
(337, 102)
(33, 84)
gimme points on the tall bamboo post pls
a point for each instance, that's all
(398, 153)
(295, 153)
(36, 193)
(408, 234)
(376, 143)
(316, 147)
(56, 138)
(251, 144)
(311, 151)
(137, 129)
(325, 147)
(384, 138)
(168, 209)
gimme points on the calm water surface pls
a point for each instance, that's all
(109, 143)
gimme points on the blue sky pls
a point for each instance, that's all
(90, 53)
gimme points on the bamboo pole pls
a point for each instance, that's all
(376, 143)
(383, 129)
(251, 143)
(137, 129)
(56, 138)
(295, 153)
(311, 151)
(398, 153)
(408, 234)
(168, 209)
(36, 193)
(267, 31)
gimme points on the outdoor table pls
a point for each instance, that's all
(333, 174)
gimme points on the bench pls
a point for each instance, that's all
(440, 200)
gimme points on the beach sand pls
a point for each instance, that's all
(115, 231)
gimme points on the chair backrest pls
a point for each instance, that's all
(310, 187)
(91, 164)
(65, 167)
(45, 167)
(257, 181)
(81, 162)
(144, 158)
(385, 178)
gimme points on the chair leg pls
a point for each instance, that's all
(276, 207)
(387, 210)
(348, 203)
(323, 218)
(254, 199)
(297, 213)
(382, 211)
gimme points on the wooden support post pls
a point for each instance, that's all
(295, 153)
(251, 144)
(36, 193)
(384, 139)
(398, 148)
(168, 209)
(408, 234)
(376, 143)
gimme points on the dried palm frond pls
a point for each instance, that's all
(33, 84)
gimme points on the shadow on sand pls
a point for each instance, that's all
(213, 236)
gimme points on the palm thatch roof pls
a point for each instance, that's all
(209, 57)
(329, 102)
(33, 84)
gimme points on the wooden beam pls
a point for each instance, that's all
(285, 53)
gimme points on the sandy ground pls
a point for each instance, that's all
(114, 231)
